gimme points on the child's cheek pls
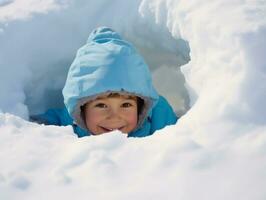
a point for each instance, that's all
(93, 117)
(132, 118)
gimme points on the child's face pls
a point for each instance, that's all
(111, 113)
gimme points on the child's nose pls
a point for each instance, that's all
(113, 113)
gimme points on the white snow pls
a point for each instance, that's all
(217, 150)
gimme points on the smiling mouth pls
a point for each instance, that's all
(106, 129)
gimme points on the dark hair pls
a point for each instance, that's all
(140, 105)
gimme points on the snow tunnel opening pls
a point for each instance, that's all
(44, 90)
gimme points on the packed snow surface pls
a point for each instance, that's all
(217, 150)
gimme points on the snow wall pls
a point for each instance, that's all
(217, 150)
(42, 46)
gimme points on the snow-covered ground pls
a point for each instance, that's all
(217, 150)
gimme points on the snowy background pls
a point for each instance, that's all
(206, 57)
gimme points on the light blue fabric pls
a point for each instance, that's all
(109, 63)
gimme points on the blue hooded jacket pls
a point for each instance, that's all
(106, 64)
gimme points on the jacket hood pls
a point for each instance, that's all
(107, 63)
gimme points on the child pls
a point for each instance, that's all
(108, 88)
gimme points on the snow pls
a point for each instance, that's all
(217, 150)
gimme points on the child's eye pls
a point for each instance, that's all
(126, 105)
(101, 105)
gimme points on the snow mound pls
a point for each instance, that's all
(217, 150)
